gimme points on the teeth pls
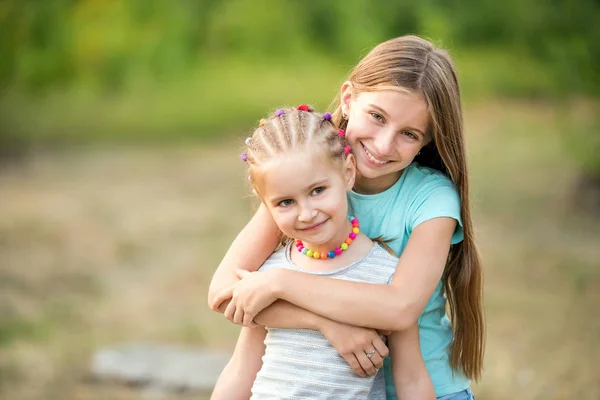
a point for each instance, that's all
(370, 157)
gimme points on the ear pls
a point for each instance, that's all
(350, 171)
(346, 96)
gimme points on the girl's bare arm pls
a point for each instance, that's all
(237, 378)
(262, 235)
(392, 307)
(411, 378)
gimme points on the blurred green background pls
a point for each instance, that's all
(120, 190)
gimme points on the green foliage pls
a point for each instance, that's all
(87, 70)
(111, 43)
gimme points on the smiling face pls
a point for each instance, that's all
(305, 192)
(386, 130)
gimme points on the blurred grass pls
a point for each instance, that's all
(125, 240)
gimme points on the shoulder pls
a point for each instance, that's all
(381, 256)
(424, 178)
(427, 185)
(434, 195)
(277, 259)
(384, 262)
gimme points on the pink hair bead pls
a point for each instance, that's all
(347, 149)
(341, 133)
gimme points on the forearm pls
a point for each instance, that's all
(238, 256)
(394, 307)
(375, 306)
(420, 388)
(282, 314)
(409, 373)
(237, 378)
(233, 383)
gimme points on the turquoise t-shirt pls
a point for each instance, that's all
(419, 195)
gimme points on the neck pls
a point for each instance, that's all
(365, 185)
(342, 234)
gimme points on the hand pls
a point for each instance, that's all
(354, 343)
(249, 296)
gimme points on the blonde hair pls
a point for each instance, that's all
(292, 130)
(413, 64)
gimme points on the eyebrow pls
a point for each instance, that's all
(318, 183)
(386, 114)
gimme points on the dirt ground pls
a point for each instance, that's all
(110, 245)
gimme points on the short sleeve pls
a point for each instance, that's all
(435, 201)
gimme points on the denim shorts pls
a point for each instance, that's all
(462, 395)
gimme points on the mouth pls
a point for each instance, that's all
(370, 157)
(312, 227)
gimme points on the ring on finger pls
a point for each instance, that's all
(370, 354)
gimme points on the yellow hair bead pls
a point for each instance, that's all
(262, 123)
(355, 230)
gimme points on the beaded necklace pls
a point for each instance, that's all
(333, 253)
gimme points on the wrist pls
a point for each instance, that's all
(277, 282)
(322, 324)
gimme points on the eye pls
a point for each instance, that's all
(378, 117)
(285, 203)
(317, 191)
(410, 135)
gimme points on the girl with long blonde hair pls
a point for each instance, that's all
(401, 111)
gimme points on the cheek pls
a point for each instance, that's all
(356, 126)
(279, 218)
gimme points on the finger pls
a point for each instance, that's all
(365, 363)
(380, 347)
(384, 332)
(223, 306)
(224, 294)
(230, 311)
(242, 273)
(248, 320)
(355, 365)
(376, 359)
(238, 317)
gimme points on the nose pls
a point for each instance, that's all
(307, 212)
(384, 143)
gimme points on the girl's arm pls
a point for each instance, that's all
(411, 378)
(352, 342)
(394, 307)
(237, 378)
(261, 235)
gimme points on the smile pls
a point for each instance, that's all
(372, 158)
(313, 227)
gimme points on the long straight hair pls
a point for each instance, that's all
(414, 64)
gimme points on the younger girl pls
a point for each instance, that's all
(300, 167)
(401, 111)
